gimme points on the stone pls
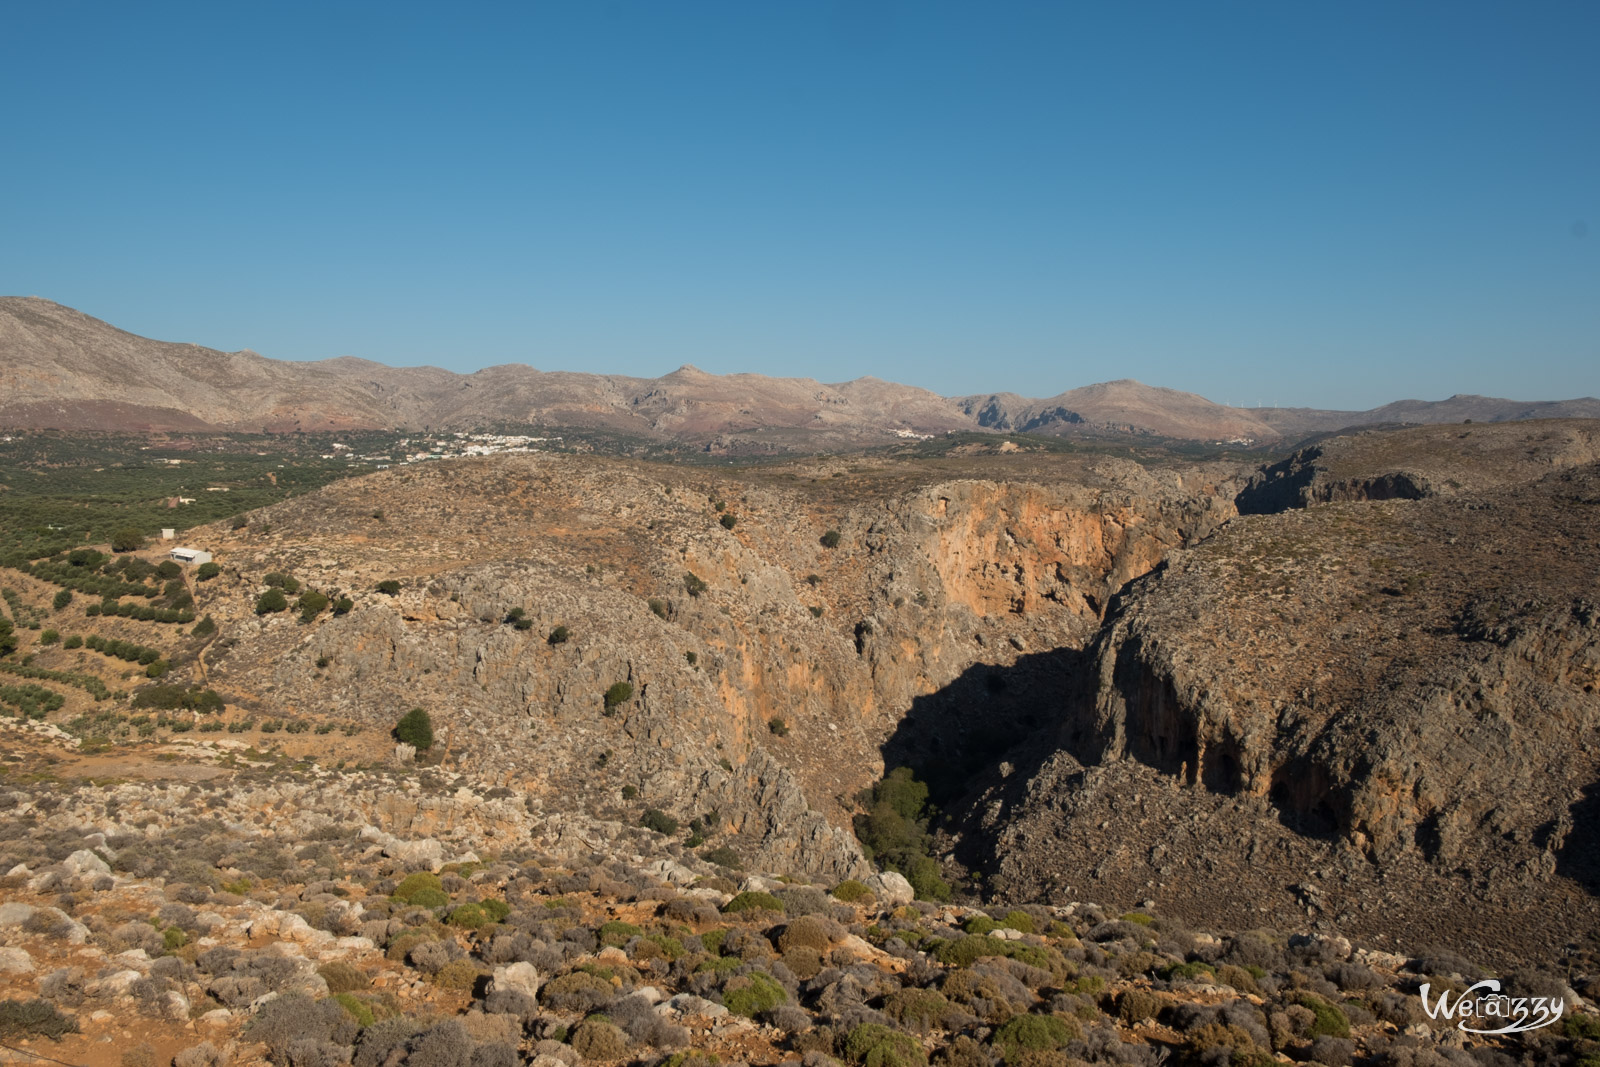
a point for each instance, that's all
(519, 977)
(85, 864)
(689, 1004)
(891, 889)
(15, 913)
(15, 961)
(425, 852)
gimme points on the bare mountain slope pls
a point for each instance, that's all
(60, 368)
(1123, 406)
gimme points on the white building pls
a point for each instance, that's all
(190, 555)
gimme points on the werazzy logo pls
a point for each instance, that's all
(1484, 1003)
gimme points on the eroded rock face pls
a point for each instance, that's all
(766, 669)
(1315, 708)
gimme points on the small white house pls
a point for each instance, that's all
(168, 533)
(190, 555)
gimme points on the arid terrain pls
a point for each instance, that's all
(1235, 755)
(62, 369)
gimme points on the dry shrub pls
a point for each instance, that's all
(808, 931)
(598, 1040)
(457, 974)
(342, 977)
(806, 963)
(141, 1055)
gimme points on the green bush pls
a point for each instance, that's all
(468, 916)
(127, 539)
(496, 909)
(271, 601)
(750, 995)
(207, 571)
(389, 587)
(850, 891)
(73, 641)
(359, 1010)
(205, 627)
(1026, 1033)
(178, 697)
(830, 539)
(777, 726)
(430, 898)
(659, 821)
(617, 933)
(559, 636)
(1020, 921)
(894, 831)
(965, 951)
(415, 728)
(875, 1045)
(279, 580)
(457, 974)
(723, 856)
(657, 606)
(343, 605)
(311, 604)
(729, 520)
(413, 884)
(1329, 1021)
(693, 584)
(49, 637)
(926, 882)
(619, 693)
(62, 599)
(750, 901)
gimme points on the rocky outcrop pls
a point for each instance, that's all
(1421, 462)
(1375, 691)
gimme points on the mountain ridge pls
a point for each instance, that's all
(63, 369)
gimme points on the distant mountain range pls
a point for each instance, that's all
(60, 368)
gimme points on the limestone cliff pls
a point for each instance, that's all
(767, 670)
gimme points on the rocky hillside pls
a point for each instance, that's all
(1375, 715)
(770, 628)
(228, 906)
(62, 369)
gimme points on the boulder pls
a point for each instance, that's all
(521, 977)
(891, 889)
(85, 864)
(15, 961)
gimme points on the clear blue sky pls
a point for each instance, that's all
(1332, 204)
